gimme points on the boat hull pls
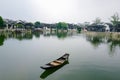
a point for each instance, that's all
(56, 63)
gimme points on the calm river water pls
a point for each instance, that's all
(93, 56)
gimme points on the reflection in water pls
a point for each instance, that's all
(18, 36)
(113, 40)
(29, 35)
(2, 38)
(61, 34)
(24, 36)
(113, 45)
(95, 38)
(48, 72)
(37, 34)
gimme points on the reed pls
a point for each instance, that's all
(111, 35)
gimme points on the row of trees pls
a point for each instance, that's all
(37, 24)
(113, 26)
(115, 20)
(28, 25)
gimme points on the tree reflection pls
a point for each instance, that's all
(113, 44)
(18, 36)
(29, 35)
(95, 40)
(23, 36)
(61, 35)
(112, 40)
(2, 39)
(37, 34)
(58, 34)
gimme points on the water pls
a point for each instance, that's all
(92, 56)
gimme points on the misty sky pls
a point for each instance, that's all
(51, 11)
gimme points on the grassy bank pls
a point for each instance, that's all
(112, 35)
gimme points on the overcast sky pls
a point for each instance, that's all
(51, 11)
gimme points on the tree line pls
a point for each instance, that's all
(29, 25)
(114, 19)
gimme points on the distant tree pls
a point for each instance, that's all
(79, 29)
(97, 20)
(37, 24)
(115, 19)
(1, 22)
(62, 26)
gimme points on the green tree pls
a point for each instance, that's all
(79, 29)
(1, 22)
(62, 26)
(37, 24)
(115, 19)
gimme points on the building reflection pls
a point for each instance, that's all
(29, 35)
(95, 38)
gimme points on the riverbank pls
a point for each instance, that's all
(89, 33)
(111, 35)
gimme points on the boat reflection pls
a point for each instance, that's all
(48, 72)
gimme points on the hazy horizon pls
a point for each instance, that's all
(52, 11)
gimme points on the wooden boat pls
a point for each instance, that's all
(50, 71)
(56, 63)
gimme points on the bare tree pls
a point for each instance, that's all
(115, 19)
(97, 20)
